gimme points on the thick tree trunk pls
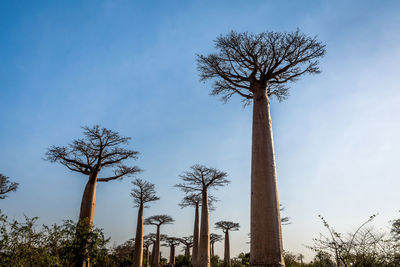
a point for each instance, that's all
(89, 200)
(172, 255)
(187, 251)
(156, 259)
(196, 235)
(227, 256)
(212, 249)
(266, 236)
(204, 247)
(138, 252)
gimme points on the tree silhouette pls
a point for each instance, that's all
(227, 226)
(200, 179)
(99, 149)
(158, 220)
(142, 193)
(171, 242)
(6, 186)
(213, 239)
(257, 67)
(187, 242)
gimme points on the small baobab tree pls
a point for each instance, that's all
(171, 242)
(200, 179)
(99, 149)
(187, 242)
(213, 239)
(143, 192)
(158, 220)
(194, 200)
(226, 227)
(152, 238)
(146, 245)
(257, 67)
(6, 186)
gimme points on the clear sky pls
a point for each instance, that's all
(130, 66)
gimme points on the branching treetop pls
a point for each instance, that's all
(158, 220)
(171, 241)
(187, 241)
(246, 61)
(195, 199)
(226, 226)
(100, 148)
(143, 192)
(215, 238)
(200, 178)
(6, 186)
(152, 237)
(147, 243)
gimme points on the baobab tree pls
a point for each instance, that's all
(258, 67)
(146, 245)
(194, 200)
(213, 239)
(6, 186)
(152, 237)
(142, 193)
(158, 220)
(226, 227)
(200, 179)
(171, 242)
(99, 149)
(187, 242)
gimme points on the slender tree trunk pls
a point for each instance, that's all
(89, 200)
(172, 255)
(196, 235)
(147, 257)
(156, 260)
(212, 249)
(204, 247)
(153, 253)
(187, 251)
(227, 256)
(266, 236)
(138, 252)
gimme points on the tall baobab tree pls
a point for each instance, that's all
(99, 149)
(142, 193)
(200, 179)
(257, 67)
(187, 242)
(146, 244)
(194, 200)
(6, 186)
(158, 220)
(226, 227)
(171, 242)
(213, 239)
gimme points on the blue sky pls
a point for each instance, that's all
(130, 66)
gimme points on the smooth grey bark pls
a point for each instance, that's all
(156, 259)
(196, 235)
(138, 252)
(227, 256)
(266, 234)
(204, 247)
(88, 202)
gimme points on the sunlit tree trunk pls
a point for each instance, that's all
(204, 247)
(89, 200)
(227, 256)
(138, 252)
(156, 259)
(196, 235)
(266, 237)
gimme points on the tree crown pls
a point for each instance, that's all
(6, 186)
(193, 199)
(143, 192)
(245, 61)
(215, 238)
(187, 241)
(100, 148)
(158, 220)
(200, 178)
(226, 226)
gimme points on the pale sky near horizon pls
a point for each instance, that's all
(130, 66)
